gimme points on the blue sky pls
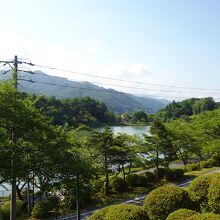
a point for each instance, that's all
(171, 42)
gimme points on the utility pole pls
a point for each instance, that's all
(13, 183)
(77, 197)
(14, 67)
(15, 72)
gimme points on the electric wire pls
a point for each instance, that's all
(132, 87)
(102, 90)
(115, 79)
(109, 78)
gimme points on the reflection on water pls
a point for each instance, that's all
(131, 130)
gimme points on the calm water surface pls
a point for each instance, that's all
(131, 130)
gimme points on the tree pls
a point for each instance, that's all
(74, 111)
(19, 120)
(29, 144)
(203, 105)
(103, 142)
(123, 151)
(183, 139)
(140, 116)
(157, 145)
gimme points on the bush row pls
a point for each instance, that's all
(170, 174)
(172, 202)
(122, 212)
(132, 180)
(202, 164)
(187, 214)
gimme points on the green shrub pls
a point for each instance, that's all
(214, 194)
(216, 160)
(42, 209)
(178, 173)
(160, 202)
(180, 214)
(142, 181)
(132, 179)
(120, 212)
(207, 163)
(119, 184)
(150, 176)
(206, 216)
(161, 172)
(5, 209)
(212, 162)
(191, 167)
(198, 191)
(173, 174)
(169, 175)
(100, 214)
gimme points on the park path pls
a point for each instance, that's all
(136, 201)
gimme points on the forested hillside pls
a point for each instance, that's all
(188, 107)
(74, 112)
(61, 88)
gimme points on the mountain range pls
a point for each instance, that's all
(119, 102)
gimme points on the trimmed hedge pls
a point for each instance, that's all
(207, 163)
(5, 209)
(150, 177)
(132, 179)
(179, 173)
(169, 175)
(216, 159)
(119, 184)
(120, 212)
(214, 194)
(191, 167)
(180, 214)
(42, 209)
(161, 172)
(160, 202)
(173, 174)
(100, 214)
(142, 181)
(206, 216)
(198, 191)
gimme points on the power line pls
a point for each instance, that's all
(132, 87)
(101, 90)
(22, 61)
(120, 80)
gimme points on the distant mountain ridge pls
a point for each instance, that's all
(118, 102)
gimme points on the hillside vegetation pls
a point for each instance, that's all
(74, 112)
(188, 107)
(119, 102)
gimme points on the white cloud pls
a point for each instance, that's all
(138, 70)
(71, 60)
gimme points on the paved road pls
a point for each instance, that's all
(136, 201)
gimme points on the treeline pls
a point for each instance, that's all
(188, 107)
(74, 112)
(136, 117)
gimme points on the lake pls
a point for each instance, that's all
(131, 130)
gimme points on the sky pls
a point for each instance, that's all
(164, 42)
